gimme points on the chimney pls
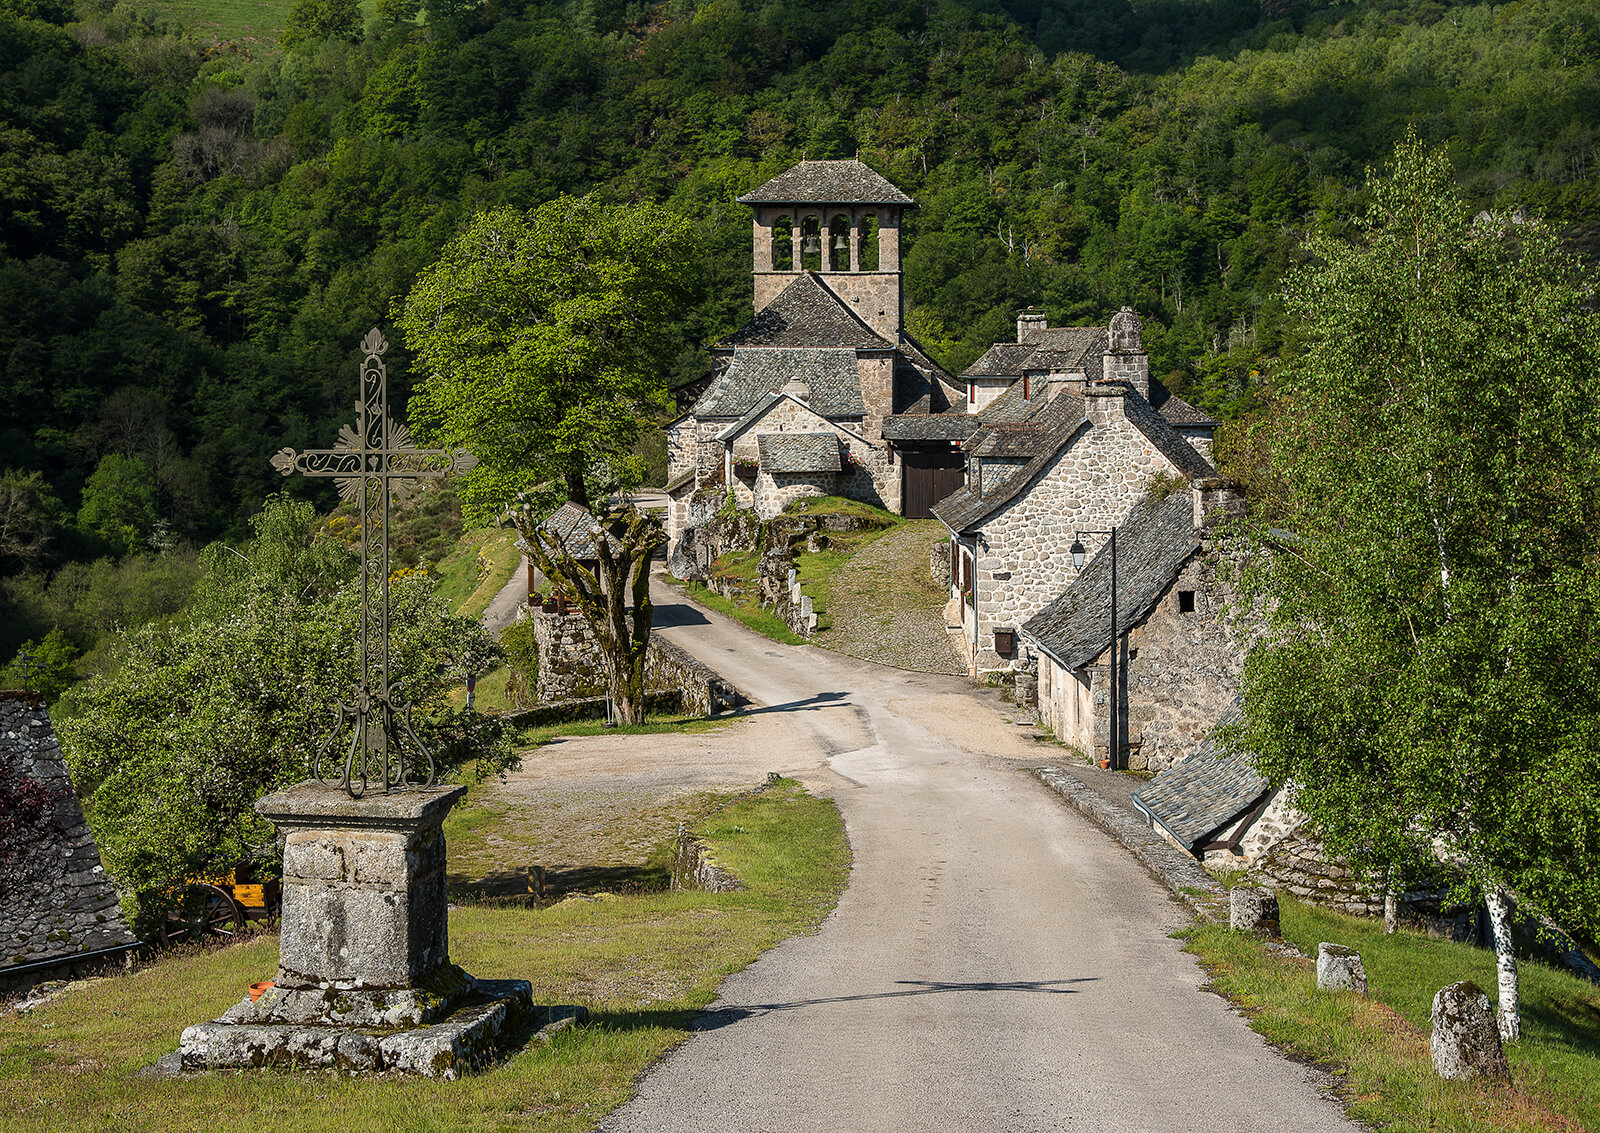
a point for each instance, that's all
(1217, 500)
(1030, 322)
(1126, 360)
(1103, 403)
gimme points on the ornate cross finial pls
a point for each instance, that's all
(373, 461)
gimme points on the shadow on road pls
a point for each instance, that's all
(670, 614)
(722, 1017)
(810, 703)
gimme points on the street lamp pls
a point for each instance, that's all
(1078, 555)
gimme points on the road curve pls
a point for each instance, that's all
(997, 962)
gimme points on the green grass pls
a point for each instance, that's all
(756, 617)
(1379, 1045)
(642, 964)
(253, 24)
(465, 586)
(839, 505)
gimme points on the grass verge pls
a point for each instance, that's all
(643, 964)
(477, 570)
(1378, 1045)
(754, 616)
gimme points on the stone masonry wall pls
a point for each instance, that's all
(56, 902)
(1183, 668)
(1023, 561)
(1297, 865)
(569, 659)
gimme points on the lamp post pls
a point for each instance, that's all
(1113, 748)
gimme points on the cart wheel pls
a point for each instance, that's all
(207, 911)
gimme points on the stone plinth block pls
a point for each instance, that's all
(363, 887)
(1466, 1041)
(1340, 969)
(1253, 910)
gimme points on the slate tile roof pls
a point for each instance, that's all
(807, 313)
(56, 902)
(1152, 545)
(1168, 441)
(827, 182)
(1002, 360)
(798, 452)
(1203, 792)
(1065, 349)
(1175, 409)
(929, 427)
(1058, 420)
(575, 528)
(756, 371)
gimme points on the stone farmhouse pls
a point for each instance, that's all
(1071, 432)
(1181, 643)
(823, 392)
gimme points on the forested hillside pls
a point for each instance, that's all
(195, 237)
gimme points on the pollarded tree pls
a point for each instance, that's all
(544, 340)
(1430, 687)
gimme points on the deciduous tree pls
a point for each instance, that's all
(1431, 684)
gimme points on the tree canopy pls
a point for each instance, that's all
(544, 339)
(1430, 684)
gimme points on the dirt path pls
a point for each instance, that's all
(886, 609)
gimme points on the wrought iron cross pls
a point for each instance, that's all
(372, 462)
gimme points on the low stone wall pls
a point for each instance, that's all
(569, 659)
(939, 561)
(693, 867)
(700, 690)
(1298, 866)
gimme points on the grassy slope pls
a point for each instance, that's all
(1379, 1045)
(642, 964)
(253, 24)
(462, 585)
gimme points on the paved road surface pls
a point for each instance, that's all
(997, 962)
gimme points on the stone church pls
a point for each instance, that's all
(823, 392)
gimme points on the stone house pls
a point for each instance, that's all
(1181, 642)
(1069, 447)
(826, 355)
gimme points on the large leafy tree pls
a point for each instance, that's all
(1430, 687)
(204, 715)
(544, 339)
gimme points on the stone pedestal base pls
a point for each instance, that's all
(364, 979)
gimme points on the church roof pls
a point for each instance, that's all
(1153, 543)
(929, 427)
(807, 313)
(798, 452)
(827, 182)
(754, 372)
(1204, 791)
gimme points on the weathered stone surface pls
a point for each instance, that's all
(1253, 910)
(390, 1007)
(693, 868)
(1466, 1041)
(467, 1039)
(1340, 969)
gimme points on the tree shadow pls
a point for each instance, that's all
(810, 703)
(531, 886)
(672, 614)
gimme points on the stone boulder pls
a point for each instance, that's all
(1340, 969)
(1253, 910)
(1466, 1041)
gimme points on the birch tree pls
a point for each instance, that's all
(1430, 688)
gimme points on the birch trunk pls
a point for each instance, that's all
(1505, 963)
(1391, 909)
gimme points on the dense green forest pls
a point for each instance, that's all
(196, 236)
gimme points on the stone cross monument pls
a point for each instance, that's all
(364, 977)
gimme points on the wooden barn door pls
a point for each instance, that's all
(929, 477)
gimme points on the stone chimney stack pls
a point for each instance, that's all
(1217, 500)
(1104, 403)
(1029, 323)
(1125, 359)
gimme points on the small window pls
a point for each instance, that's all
(1025, 387)
(1186, 601)
(972, 393)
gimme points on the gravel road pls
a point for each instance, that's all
(997, 963)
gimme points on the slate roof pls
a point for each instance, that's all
(1203, 792)
(929, 427)
(1012, 441)
(1152, 545)
(56, 902)
(1059, 420)
(798, 452)
(827, 182)
(1175, 409)
(1002, 360)
(807, 313)
(1064, 349)
(757, 371)
(1011, 407)
(1168, 441)
(575, 528)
